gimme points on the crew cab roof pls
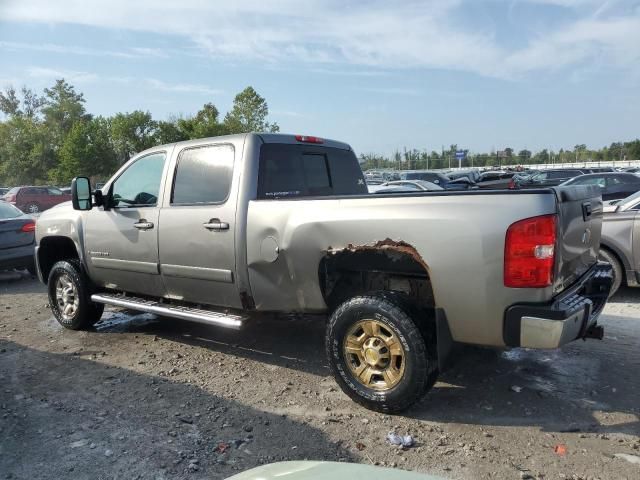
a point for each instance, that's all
(265, 137)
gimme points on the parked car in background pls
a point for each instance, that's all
(635, 170)
(495, 179)
(597, 169)
(619, 244)
(438, 178)
(35, 199)
(473, 174)
(612, 185)
(405, 186)
(546, 178)
(17, 238)
(3, 191)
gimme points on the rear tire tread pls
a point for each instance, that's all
(397, 312)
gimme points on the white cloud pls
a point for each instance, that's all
(182, 87)
(71, 75)
(88, 77)
(137, 52)
(392, 91)
(384, 34)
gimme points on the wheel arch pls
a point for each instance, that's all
(386, 265)
(53, 249)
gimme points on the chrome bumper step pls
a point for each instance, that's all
(207, 317)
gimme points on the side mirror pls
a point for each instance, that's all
(81, 193)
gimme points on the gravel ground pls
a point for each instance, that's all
(146, 397)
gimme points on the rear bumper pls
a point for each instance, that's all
(17, 257)
(566, 318)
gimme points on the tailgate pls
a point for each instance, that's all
(579, 227)
(11, 234)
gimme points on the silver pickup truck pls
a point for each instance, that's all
(219, 230)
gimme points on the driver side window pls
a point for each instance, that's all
(138, 185)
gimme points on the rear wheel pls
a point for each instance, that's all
(377, 353)
(618, 271)
(70, 296)
(32, 208)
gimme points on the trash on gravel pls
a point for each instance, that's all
(516, 388)
(405, 440)
(360, 446)
(629, 458)
(222, 447)
(560, 449)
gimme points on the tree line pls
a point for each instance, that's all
(50, 137)
(446, 158)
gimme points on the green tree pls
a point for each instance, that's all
(63, 106)
(249, 114)
(132, 133)
(204, 124)
(25, 151)
(87, 150)
(524, 155)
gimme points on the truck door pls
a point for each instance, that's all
(121, 243)
(197, 237)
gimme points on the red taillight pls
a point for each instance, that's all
(28, 227)
(10, 198)
(308, 139)
(529, 252)
(512, 184)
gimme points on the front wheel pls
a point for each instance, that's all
(70, 296)
(377, 353)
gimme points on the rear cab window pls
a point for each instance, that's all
(203, 175)
(293, 171)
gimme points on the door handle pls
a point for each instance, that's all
(216, 225)
(142, 224)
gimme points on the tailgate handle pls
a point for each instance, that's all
(586, 211)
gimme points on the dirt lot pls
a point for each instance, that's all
(142, 397)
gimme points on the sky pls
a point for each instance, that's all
(381, 75)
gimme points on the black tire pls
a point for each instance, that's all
(420, 364)
(618, 271)
(85, 312)
(32, 208)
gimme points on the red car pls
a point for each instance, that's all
(35, 199)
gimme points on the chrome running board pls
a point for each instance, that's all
(208, 317)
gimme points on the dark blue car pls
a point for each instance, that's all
(17, 238)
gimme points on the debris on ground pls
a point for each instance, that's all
(516, 388)
(222, 447)
(560, 449)
(360, 446)
(629, 458)
(406, 441)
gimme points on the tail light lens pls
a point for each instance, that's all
(10, 198)
(512, 184)
(529, 252)
(28, 227)
(308, 139)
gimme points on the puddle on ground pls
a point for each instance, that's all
(560, 373)
(125, 321)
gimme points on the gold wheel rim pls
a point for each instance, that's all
(374, 355)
